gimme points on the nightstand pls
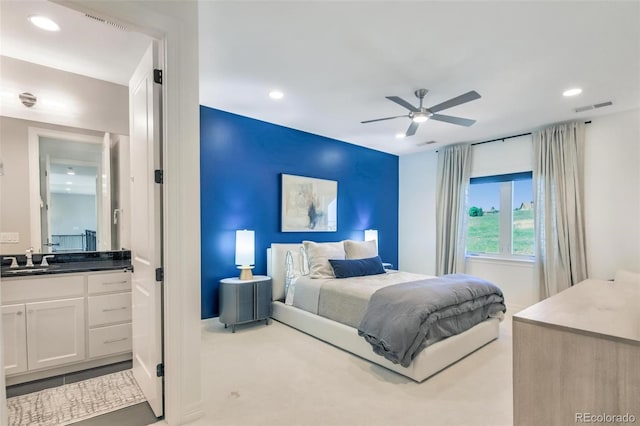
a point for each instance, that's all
(244, 301)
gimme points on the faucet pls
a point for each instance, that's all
(29, 257)
(14, 261)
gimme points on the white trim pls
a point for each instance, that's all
(526, 262)
(34, 135)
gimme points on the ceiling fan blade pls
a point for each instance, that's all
(381, 119)
(412, 128)
(453, 120)
(467, 97)
(403, 103)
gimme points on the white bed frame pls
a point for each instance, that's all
(429, 361)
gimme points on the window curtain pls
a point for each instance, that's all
(558, 165)
(454, 171)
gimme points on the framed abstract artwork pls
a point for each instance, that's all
(309, 204)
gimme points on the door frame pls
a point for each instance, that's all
(175, 23)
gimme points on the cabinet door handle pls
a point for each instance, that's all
(115, 282)
(19, 313)
(114, 309)
(106, 342)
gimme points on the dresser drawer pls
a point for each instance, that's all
(109, 309)
(109, 340)
(109, 282)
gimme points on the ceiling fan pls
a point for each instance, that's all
(421, 114)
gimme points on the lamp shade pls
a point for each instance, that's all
(371, 235)
(245, 247)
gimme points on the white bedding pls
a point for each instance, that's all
(344, 300)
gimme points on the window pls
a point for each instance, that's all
(500, 215)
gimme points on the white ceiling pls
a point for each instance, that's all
(82, 46)
(337, 60)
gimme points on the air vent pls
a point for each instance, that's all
(104, 21)
(27, 99)
(594, 106)
(425, 143)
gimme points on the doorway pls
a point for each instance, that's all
(56, 174)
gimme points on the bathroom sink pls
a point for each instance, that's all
(26, 271)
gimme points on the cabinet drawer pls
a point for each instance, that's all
(109, 309)
(109, 340)
(41, 288)
(110, 282)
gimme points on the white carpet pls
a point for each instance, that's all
(277, 376)
(74, 402)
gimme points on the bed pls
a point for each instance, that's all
(429, 360)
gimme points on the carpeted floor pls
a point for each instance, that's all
(276, 375)
(71, 403)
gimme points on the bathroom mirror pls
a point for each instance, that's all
(75, 191)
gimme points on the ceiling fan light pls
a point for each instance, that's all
(420, 118)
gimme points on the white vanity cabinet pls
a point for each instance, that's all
(54, 324)
(55, 332)
(109, 305)
(14, 332)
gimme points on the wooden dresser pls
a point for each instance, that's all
(576, 357)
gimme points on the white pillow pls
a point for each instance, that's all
(627, 276)
(319, 255)
(360, 249)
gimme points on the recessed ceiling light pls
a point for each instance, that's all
(68, 189)
(572, 92)
(276, 94)
(69, 183)
(400, 135)
(70, 171)
(44, 23)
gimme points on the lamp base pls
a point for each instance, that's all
(245, 272)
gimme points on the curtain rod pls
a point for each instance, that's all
(511, 137)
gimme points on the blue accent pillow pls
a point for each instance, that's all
(357, 267)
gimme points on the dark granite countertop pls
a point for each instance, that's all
(65, 263)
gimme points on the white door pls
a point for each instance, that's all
(103, 197)
(14, 332)
(146, 238)
(55, 332)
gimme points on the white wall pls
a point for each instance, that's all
(72, 214)
(64, 98)
(612, 194)
(416, 215)
(612, 205)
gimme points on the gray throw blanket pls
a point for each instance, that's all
(404, 318)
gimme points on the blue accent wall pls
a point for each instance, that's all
(241, 161)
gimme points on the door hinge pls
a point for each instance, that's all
(158, 176)
(160, 370)
(157, 76)
(159, 274)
